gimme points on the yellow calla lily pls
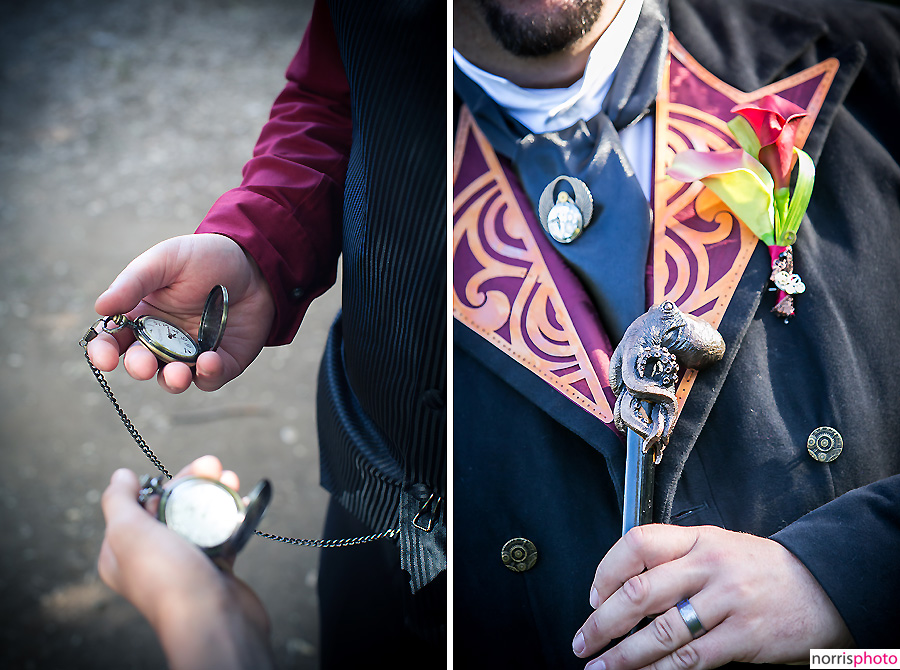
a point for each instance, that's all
(738, 179)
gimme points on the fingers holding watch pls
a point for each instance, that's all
(132, 528)
(203, 615)
(173, 377)
(163, 295)
(136, 547)
(119, 504)
(209, 373)
(211, 467)
(139, 363)
(106, 348)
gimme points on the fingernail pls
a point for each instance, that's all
(595, 598)
(596, 664)
(121, 475)
(578, 644)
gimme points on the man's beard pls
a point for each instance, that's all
(541, 34)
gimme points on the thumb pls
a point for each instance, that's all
(120, 497)
(147, 273)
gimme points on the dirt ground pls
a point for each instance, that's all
(120, 124)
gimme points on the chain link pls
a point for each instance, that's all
(148, 452)
(329, 544)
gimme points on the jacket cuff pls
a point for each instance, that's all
(293, 264)
(851, 546)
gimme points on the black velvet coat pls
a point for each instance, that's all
(738, 456)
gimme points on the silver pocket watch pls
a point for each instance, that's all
(204, 511)
(208, 513)
(168, 342)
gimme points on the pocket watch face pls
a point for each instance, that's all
(203, 511)
(166, 339)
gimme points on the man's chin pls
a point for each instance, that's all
(538, 27)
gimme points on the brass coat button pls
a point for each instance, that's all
(825, 444)
(519, 554)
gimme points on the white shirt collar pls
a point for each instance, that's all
(548, 109)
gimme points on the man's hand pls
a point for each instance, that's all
(203, 615)
(172, 280)
(756, 600)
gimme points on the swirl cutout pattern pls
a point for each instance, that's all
(509, 287)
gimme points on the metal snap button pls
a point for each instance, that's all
(519, 554)
(825, 444)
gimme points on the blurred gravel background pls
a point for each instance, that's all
(121, 122)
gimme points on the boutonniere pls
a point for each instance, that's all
(755, 183)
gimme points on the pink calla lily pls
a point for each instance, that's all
(774, 120)
(740, 181)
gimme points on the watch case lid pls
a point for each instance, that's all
(257, 502)
(212, 322)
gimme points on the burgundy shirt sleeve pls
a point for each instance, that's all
(287, 212)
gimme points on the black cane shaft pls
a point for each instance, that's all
(639, 469)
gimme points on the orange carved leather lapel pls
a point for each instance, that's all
(511, 288)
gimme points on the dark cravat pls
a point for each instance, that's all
(610, 256)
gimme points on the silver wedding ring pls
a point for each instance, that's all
(691, 620)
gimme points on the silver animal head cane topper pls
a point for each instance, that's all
(562, 215)
(644, 369)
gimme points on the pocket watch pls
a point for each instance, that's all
(208, 513)
(168, 342)
(204, 511)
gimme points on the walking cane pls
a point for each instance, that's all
(643, 373)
